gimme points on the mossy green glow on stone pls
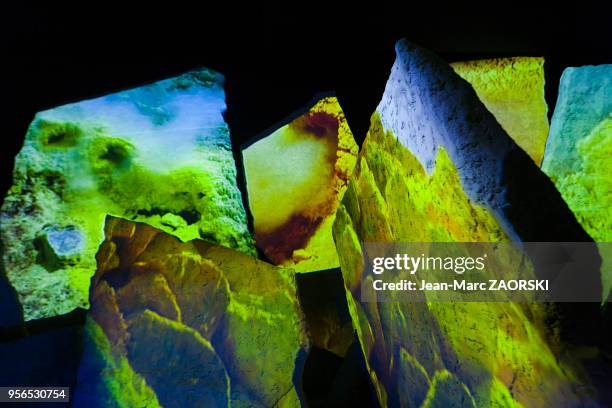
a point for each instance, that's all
(192, 318)
(159, 154)
(492, 353)
(578, 155)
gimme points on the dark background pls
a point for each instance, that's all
(275, 56)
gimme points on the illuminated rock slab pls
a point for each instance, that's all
(578, 156)
(512, 89)
(295, 178)
(106, 379)
(437, 167)
(159, 154)
(190, 324)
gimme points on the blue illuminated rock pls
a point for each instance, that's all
(294, 197)
(578, 155)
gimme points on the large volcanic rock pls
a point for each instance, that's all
(190, 324)
(295, 178)
(437, 167)
(512, 89)
(159, 154)
(578, 156)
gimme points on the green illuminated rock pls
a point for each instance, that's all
(204, 325)
(159, 154)
(578, 156)
(512, 89)
(437, 167)
(175, 358)
(412, 374)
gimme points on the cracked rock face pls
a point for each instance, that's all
(578, 156)
(437, 167)
(512, 89)
(159, 154)
(189, 324)
(295, 178)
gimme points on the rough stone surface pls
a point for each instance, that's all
(159, 154)
(427, 106)
(203, 325)
(411, 375)
(295, 178)
(578, 156)
(41, 358)
(106, 379)
(325, 310)
(437, 167)
(512, 89)
(59, 247)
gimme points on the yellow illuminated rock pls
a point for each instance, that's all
(512, 89)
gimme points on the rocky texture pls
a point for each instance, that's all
(436, 166)
(494, 170)
(106, 379)
(447, 391)
(512, 89)
(159, 154)
(10, 308)
(177, 360)
(295, 178)
(411, 373)
(578, 155)
(189, 324)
